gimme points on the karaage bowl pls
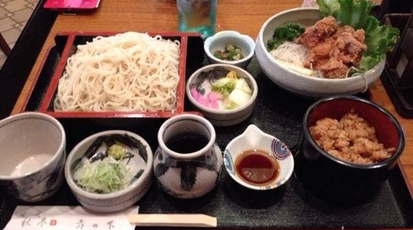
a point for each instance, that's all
(299, 83)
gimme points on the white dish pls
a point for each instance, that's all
(138, 160)
(253, 138)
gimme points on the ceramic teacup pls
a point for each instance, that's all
(33, 155)
(187, 162)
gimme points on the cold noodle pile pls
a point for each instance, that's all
(125, 72)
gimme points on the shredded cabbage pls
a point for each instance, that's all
(103, 176)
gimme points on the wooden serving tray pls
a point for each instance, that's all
(278, 113)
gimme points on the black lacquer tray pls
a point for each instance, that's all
(277, 112)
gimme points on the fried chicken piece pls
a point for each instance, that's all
(334, 68)
(319, 54)
(350, 44)
(320, 31)
(332, 52)
(348, 48)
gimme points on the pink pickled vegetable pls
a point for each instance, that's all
(210, 100)
(199, 97)
(213, 99)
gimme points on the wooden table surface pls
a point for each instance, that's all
(161, 16)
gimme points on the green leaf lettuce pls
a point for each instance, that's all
(356, 13)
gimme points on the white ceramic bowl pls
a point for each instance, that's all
(139, 163)
(299, 83)
(255, 139)
(223, 38)
(224, 117)
(33, 152)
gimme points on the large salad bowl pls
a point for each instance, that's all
(299, 83)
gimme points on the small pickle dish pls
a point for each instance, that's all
(225, 94)
(230, 47)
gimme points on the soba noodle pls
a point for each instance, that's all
(125, 72)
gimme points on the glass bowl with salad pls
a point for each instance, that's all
(346, 57)
(225, 94)
(109, 171)
(230, 47)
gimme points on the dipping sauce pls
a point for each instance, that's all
(257, 167)
(187, 142)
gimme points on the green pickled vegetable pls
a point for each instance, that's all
(230, 53)
(226, 84)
